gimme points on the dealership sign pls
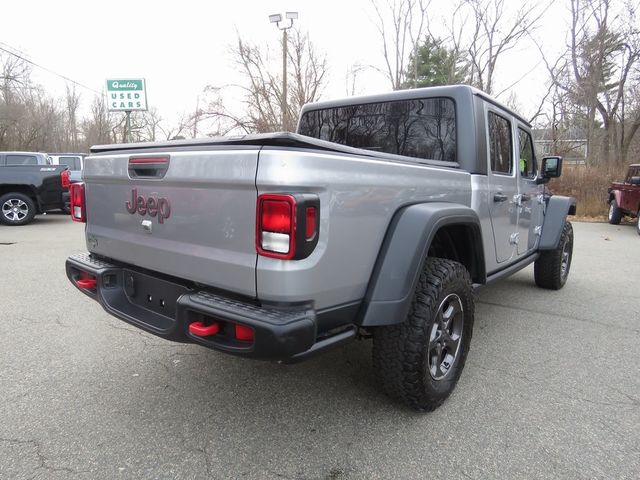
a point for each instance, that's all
(125, 95)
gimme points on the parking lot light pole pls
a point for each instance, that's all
(277, 18)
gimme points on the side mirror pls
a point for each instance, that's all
(635, 181)
(551, 167)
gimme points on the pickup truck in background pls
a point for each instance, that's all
(377, 219)
(74, 161)
(624, 197)
(29, 189)
(24, 158)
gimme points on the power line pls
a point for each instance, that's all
(21, 57)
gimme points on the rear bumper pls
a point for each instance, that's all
(167, 306)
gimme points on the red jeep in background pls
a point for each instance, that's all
(624, 197)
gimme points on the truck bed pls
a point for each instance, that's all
(212, 186)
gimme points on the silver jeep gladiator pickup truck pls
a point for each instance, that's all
(377, 219)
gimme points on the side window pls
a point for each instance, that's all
(500, 144)
(72, 162)
(526, 160)
(22, 160)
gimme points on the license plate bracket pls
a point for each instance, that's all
(152, 293)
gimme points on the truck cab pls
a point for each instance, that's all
(24, 158)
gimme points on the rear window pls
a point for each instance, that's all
(421, 128)
(22, 160)
(72, 162)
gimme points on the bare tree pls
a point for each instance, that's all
(98, 127)
(262, 89)
(308, 71)
(495, 33)
(400, 24)
(597, 75)
(73, 102)
(14, 77)
(150, 126)
(14, 82)
(351, 79)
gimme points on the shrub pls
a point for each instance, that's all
(588, 184)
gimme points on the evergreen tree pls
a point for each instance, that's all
(436, 65)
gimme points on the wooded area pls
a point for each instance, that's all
(589, 109)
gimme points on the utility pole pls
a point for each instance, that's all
(284, 78)
(277, 18)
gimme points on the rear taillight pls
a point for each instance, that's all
(276, 226)
(64, 179)
(78, 207)
(287, 225)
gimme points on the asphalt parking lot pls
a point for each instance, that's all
(551, 388)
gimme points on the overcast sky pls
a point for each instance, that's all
(180, 47)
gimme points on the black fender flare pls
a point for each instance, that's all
(556, 211)
(402, 256)
(615, 194)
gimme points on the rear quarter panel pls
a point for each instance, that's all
(358, 197)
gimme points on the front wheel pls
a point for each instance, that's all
(419, 361)
(16, 209)
(615, 214)
(638, 222)
(551, 269)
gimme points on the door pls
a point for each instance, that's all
(530, 199)
(503, 186)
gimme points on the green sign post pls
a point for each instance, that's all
(126, 95)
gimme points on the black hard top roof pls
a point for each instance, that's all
(442, 91)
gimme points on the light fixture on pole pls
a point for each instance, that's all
(277, 18)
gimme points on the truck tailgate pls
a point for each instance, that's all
(192, 218)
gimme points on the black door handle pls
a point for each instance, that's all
(500, 197)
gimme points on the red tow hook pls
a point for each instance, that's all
(87, 283)
(199, 329)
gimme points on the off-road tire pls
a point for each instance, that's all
(615, 214)
(551, 269)
(27, 209)
(401, 353)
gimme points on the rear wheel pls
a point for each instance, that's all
(615, 214)
(551, 269)
(420, 360)
(638, 222)
(16, 209)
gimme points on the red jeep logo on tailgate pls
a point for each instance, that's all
(153, 206)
